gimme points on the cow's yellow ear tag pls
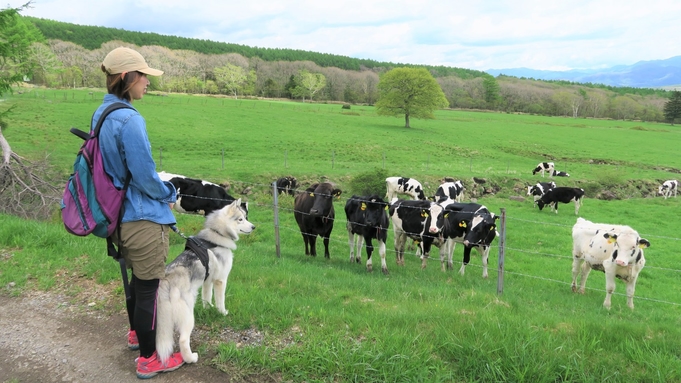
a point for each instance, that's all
(447, 215)
(611, 240)
(311, 194)
(386, 207)
(424, 214)
(462, 224)
(363, 207)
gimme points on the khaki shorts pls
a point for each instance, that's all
(144, 245)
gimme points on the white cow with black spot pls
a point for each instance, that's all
(616, 250)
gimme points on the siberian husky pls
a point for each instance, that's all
(178, 291)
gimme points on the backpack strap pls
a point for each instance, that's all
(114, 251)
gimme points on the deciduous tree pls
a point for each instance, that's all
(308, 84)
(22, 190)
(409, 92)
(231, 77)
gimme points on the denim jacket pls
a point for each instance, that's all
(123, 140)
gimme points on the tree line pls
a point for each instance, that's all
(70, 57)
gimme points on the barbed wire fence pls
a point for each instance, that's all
(502, 248)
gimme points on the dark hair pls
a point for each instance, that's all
(121, 86)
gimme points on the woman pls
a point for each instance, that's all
(142, 237)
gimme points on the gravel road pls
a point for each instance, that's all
(44, 338)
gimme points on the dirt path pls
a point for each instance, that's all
(44, 338)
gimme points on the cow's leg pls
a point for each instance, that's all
(576, 263)
(444, 250)
(424, 256)
(370, 250)
(351, 241)
(586, 269)
(313, 244)
(450, 255)
(631, 287)
(358, 249)
(326, 248)
(609, 288)
(399, 248)
(306, 239)
(466, 259)
(484, 254)
(381, 252)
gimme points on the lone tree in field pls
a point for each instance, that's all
(23, 191)
(672, 108)
(410, 92)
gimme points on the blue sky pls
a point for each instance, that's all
(548, 35)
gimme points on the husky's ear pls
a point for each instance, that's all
(236, 203)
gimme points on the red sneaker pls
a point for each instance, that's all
(151, 366)
(133, 343)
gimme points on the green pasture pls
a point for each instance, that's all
(328, 319)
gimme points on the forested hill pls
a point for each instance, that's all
(91, 37)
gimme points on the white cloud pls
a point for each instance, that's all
(495, 34)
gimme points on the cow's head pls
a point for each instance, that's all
(483, 229)
(419, 192)
(662, 188)
(628, 247)
(536, 170)
(541, 203)
(323, 195)
(434, 216)
(373, 210)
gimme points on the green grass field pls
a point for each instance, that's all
(330, 320)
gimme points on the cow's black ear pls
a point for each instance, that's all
(643, 243)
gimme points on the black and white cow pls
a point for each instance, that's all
(194, 196)
(564, 195)
(558, 173)
(287, 185)
(415, 219)
(547, 167)
(449, 190)
(403, 185)
(314, 213)
(539, 189)
(669, 188)
(471, 224)
(616, 250)
(367, 220)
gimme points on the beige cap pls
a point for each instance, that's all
(124, 59)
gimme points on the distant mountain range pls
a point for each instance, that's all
(643, 74)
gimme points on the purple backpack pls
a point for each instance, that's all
(91, 203)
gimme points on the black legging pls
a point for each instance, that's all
(142, 313)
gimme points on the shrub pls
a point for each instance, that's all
(369, 182)
(345, 106)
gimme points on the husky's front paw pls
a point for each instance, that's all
(223, 311)
(193, 358)
(206, 304)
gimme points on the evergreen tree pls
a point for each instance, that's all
(491, 89)
(672, 108)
